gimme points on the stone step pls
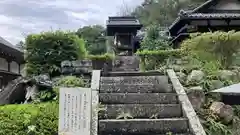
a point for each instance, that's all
(133, 73)
(138, 98)
(160, 80)
(124, 68)
(135, 88)
(168, 133)
(148, 111)
(143, 126)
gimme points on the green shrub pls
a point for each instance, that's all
(151, 60)
(47, 50)
(20, 119)
(219, 47)
(104, 57)
(70, 81)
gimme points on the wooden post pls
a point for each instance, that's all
(132, 43)
(9, 65)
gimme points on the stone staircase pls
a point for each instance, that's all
(136, 104)
(139, 103)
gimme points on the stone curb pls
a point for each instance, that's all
(188, 111)
(95, 84)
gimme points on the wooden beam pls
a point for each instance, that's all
(7, 56)
(19, 68)
(9, 66)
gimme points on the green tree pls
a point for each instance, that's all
(125, 10)
(47, 50)
(162, 12)
(20, 45)
(154, 39)
(94, 37)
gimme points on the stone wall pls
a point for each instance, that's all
(84, 66)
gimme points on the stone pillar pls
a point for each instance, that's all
(132, 43)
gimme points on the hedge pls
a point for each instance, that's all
(20, 119)
(46, 51)
(104, 57)
(152, 60)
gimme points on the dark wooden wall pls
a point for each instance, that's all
(6, 77)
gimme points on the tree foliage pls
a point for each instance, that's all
(94, 38)
(47, 50)
(162, 12)
(154, 39)
(125, 9)
(20, 45)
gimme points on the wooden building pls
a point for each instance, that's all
(213, 15)
(11, 62)
(124, 30)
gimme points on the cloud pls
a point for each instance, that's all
(18, 18)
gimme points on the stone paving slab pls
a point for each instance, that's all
(148, 111)
(135, 88)
(150, 126)
(138, 98)
(135, 80)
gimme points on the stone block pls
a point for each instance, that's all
(138, 98)
(66, 64)
(143, 126)
(135, 88)
(82, 63)
(144, 111)
(126, 62)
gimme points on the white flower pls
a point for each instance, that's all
(31, 128)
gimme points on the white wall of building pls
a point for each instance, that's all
(22, 70)
(14, 67)
(3, 64)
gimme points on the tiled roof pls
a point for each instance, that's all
(7, 47)
(8, 44)
(229, 89)
(123, 21)
(212, 15)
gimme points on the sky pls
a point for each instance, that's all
(19, 18)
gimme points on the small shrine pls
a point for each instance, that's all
(124, 30)
(230, 95)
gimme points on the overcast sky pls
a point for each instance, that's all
(21, 17)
